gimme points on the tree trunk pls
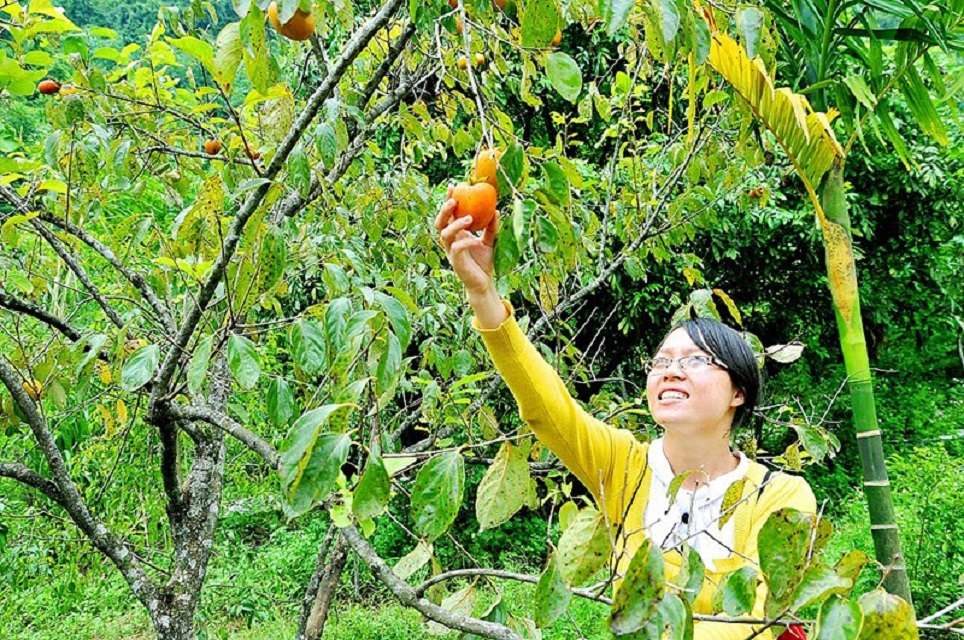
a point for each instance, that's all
(842, 276)
(315, 617)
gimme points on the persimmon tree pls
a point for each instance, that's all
(280, 292)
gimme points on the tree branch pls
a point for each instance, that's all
(230, 426)
(66, 256)
(17, 305)
(31, 478)
(407, 596)
(135, 278)
(72, 501)
(351, 50)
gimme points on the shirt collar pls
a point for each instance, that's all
(663, 472)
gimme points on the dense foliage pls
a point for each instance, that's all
(335, 345)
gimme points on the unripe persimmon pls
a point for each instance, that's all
(48, 86)
(556, 39)
(487, 167)
(212, 147)
(299, 27)
(476, 200)
(478, 59)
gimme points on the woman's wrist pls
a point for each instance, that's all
(488, 307)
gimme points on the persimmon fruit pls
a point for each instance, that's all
(299, 27)
(48, 86)
(476, 200)
(556, 39)
(487, 167)
(212, 147)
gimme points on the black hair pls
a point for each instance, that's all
(729, 347)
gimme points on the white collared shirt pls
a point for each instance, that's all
(692, 512)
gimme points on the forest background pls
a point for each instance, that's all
(758, 243)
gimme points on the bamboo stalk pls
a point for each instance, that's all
(842, 277)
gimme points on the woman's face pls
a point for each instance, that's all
(695, 402)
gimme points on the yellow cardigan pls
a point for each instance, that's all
(611, 463)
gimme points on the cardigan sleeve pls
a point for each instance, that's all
(587, 446)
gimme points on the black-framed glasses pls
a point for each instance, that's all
(690, 364)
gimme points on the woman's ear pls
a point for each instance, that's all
(738, 398)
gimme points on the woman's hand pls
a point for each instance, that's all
(471, 256)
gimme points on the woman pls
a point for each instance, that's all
(701, 384)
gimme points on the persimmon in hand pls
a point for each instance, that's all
(476, 200)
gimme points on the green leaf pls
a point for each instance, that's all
(920, 104)
(299, 171)
(197, 369)
(272, 258)
(281, 402)
(140, 367)
(638, 597)
(675, 484)
(839, 619)
(886, 616)
(228, 53)
(389, 367)
(38, 58)
(861, 91)
(736, 595)
(336, 319)
(614, 14)
(502, 490)
(507, 254)
(732, 496)
(691, 573)
(675, 615)
(257, 63)
(851, 564)
(413, 560)
(669, 19)
(548, 237)
(819, 582)
(512, 166)
(241, 7)
(783, 545)
(460, 603)
(564, 75)
(398, 317)
(552, 596)
(373, 490)
(583, 547)
(749, 20)
(437, 494)
(197, 49)
(557, 183)
(308, 346)
(310, 464)
(539, 21)
(327, 144)
(243, 361)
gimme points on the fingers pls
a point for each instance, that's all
(454, 229)
(462, 244)
(491, 231)
(444, 213)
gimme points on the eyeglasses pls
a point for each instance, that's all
(691, 364)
